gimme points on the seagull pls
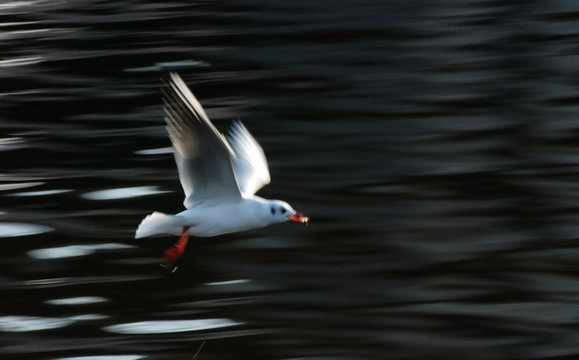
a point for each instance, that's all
(219, 174)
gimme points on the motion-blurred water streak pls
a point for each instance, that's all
(433, 144)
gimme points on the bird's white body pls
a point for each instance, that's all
(217, 219)
(219, 175)
(213, 219)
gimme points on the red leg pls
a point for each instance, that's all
(173, 253)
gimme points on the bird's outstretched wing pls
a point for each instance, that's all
(249, 163)
(203, 156)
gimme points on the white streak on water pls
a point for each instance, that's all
(173, 65)
(73, 250)
(230, 282)
(169, 326)
(81, 300)
(15, 323)
(106, 357)
(123, 193)
(14, 186)
(41, 193)
(158, 151)
(22, 229)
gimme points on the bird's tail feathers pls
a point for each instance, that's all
(159, 223)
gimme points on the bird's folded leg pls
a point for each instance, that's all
(173, 253)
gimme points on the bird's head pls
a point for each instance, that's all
(280, 211)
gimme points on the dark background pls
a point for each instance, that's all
(433, 144)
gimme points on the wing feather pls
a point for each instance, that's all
(202, 154)
(249, 163)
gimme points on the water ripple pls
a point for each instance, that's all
(36, 323)
(81, 300)
(170, 326)
(74, 250)
(123, 193)
(105, 357)
(22, 229)
(434, 142)
(78, 280)
(30, 323)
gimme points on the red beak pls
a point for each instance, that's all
(299, 217)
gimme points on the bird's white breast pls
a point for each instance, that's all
(208, 220)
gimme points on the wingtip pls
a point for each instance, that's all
(238, 123)
(175, 76)
(169, 77)
(237, 127)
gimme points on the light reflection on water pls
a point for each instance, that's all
(123, 193)
(79, 280)
(105, 357)
(170, 326)
(172, 65)
(16, 186)
(33, 323)
(229, 282)
(22, 229)
(41, 193)
(81, 300)
(29, 323)
(433, 143)
(74, 250)
(159, 151)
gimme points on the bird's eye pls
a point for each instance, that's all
(272, 210)
(283, 210)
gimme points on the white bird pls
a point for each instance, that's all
(220, 176)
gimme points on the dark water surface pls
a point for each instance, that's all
(433, 143)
